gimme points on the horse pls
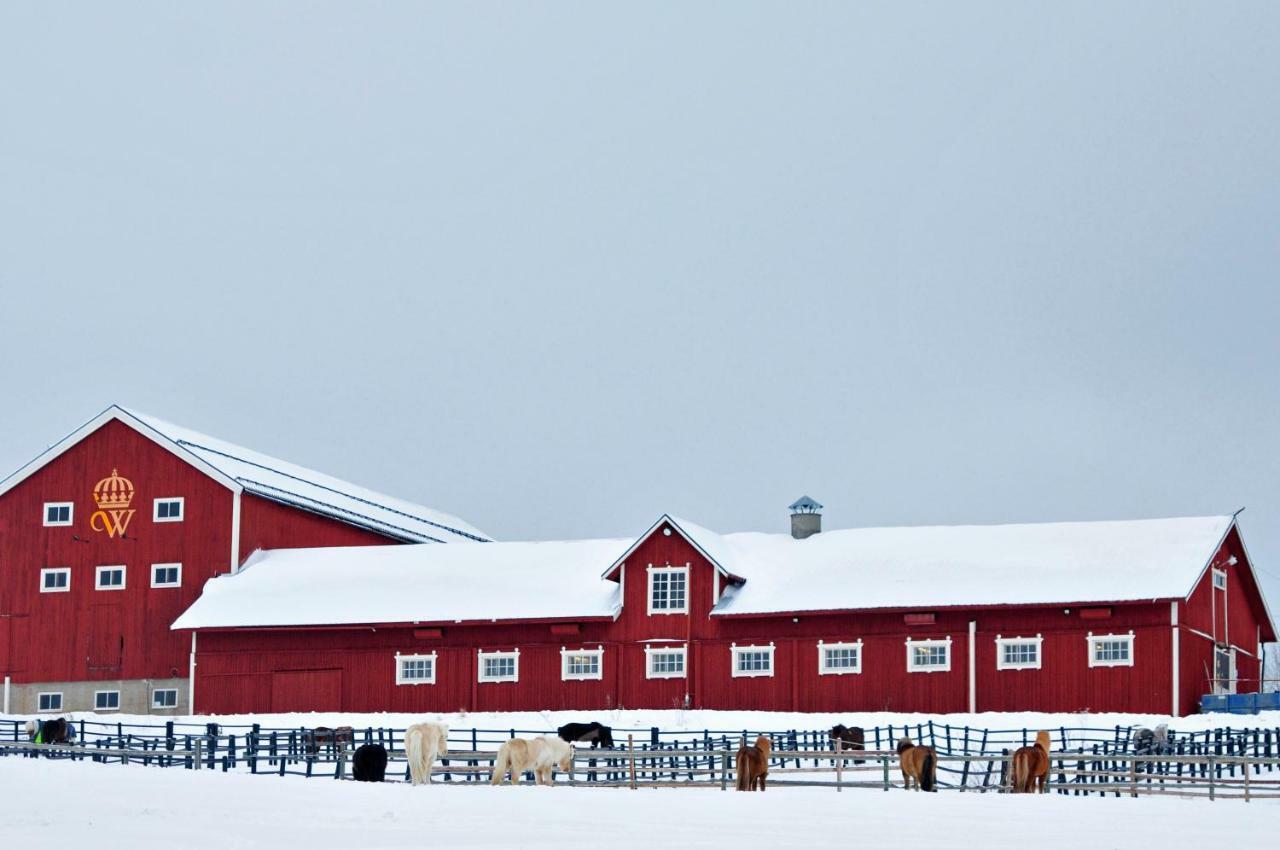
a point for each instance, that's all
(335, 739)
(540, 755)
(369, 764)
(423, 744)
(59, 731)
(598, 734)
(1031, 765)
(753, 764)
(918, 763)
(849, 738)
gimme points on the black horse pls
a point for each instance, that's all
(850, 738)
(59, 731)
(597, 734)
(369, 764)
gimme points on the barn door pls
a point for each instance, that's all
(106, 639)
(306, 690)
(1224, 670)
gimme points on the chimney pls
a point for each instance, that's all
(806, 518)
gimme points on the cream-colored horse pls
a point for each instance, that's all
(541, 755)
(423, 744)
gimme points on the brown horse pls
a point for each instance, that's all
(753, 765)
(918, 763)
(1031, 765)
(849, 738)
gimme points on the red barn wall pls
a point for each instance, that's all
(265, 524)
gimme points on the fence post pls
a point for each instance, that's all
(198, 753)
(1211, 773)
(884, 763)
(1133, 776)
(839, 765)
(724, 770)
(1246, 783)
(631, 756)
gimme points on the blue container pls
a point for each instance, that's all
(1269, 702)
(1242, 703)
(1213, 702)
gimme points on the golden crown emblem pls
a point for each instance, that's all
(113, 492)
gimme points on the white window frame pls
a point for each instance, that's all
(668, 570)
(157, 567)
(124, 577)
(651, 651)
(735, 654)
(401, 679)
(1095, 662)
(55, 571)
(97, 694)
(481, 656)
(71, 514)
(1219, 579)
(1002, 642)
(566, 654)
(157, 691)
(928, 643)
(52, 710)
(182, 509)
(824, 670)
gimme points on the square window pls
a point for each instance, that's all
(1110, 650)
(58, 513)
(1018, 653)
(49, 702)
(668, 590)
(164, 698)
(929, 656)
(1219, 579)
(835, 659)
(55, 580)
(664, 663)
(750, 661)
(166, 575)
(499, 666)
(581, 664)
(110, 578)
(106, 700)
(416, 669)
(167, 509)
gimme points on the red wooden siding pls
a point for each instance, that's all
(265, 524)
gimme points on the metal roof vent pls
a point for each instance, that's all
(806, 518)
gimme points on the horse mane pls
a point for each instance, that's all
(1042, 740)
(764, 745)
(904, 744)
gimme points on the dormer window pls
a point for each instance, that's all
(668, 590)
(58, 513)
(168, 509)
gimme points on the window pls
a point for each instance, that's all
(164, 698)
(581, 663)
(106, 700)
(110, 578)
(166, 575)
(49, 702)
(499, 666)
(416, 669)
(1219, 579)
(168, 509)
(836, 659)
(665, 663)
(668, 590)
(1018, 653)
(752, 660)
(1224, 670)
(58, 513)
(928, 656)
(55, 580)
(1110, 650)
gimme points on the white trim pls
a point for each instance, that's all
(57, 694)
(124, 577)
(52, 571)
(482, 656)
(929, 643)
(1177, 655)
(667, 570)
(420, 656)
(235, 533)
(735, 654)
(665, 518)
(155, 567)
(973, 666)
(191, 676)
(97, 694)
(159, 500)
(71, 514)
(1219, 574)
(651, 651)
(824, 670)
(1094, 662)
(1003, 642)
(155, 691)
(566, 654)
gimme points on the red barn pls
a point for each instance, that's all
(1138, 616)
(111, 533)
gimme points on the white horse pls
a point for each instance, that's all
(541, 755)
(423, 744)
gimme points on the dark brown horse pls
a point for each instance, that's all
(918, 763)
(334, 739)
(1031, 766)
(753, 764)
(849, 738)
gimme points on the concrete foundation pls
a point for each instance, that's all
(136, 696)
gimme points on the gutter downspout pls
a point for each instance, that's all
(973, 676)
(191, 677)
(1177, 661)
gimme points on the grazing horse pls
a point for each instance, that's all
(849, 738)
(335, 739)
(598, 734)
(59, 731)
(753, 764)
(423, 744)
(541, 755)
(369, 764)
(918, 763)
(1031, 765)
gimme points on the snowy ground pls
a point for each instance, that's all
(62, 804)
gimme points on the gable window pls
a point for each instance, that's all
(668, 590)
(1018, 653)
(1219, 579)
(836, 659)
(164, 698)
(499, 666)
(109, 578)
(581, 663)
(58, 513)
(55, 580)
(929, 656)
(167, 509)
(106, 700)
(49, 701)
(665, 663)
(751, 661)
(1110, 650)
(166, 575)
(416, 669)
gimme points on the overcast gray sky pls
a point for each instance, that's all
(559, 268)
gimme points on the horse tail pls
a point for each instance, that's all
(928, 776)
(1018, 779)
(413, 750)
(500, 765)
(744, 769)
